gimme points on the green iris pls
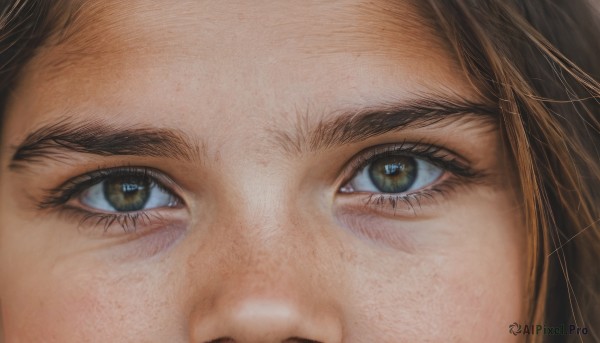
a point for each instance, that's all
(393, 174)
(127, 193)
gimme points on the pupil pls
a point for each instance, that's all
(393, 174)
(127, 194)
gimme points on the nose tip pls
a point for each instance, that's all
(267, 321)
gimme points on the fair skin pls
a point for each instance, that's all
(266, 241)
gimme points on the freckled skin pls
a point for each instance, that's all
(265, 249)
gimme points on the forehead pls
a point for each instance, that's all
(104, 32)
(257, 63)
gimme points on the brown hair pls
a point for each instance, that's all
(537, 60)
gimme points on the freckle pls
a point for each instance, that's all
(348, 256)
(217, 156)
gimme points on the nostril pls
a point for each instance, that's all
(222, 340)
(300, 340)
(289, 340)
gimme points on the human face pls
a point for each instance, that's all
(254, 172)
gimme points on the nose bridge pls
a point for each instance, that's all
(266, 294)
(268, 284)
(264, 226)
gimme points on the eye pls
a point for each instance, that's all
(393, 173)
(126, 193)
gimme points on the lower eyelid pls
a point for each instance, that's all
(120, 224)
(419, 204)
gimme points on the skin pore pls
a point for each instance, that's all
(268, 233)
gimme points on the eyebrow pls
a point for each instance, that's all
(356, 126)
(55, 141)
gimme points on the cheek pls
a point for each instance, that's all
(446, 300)
(67, 303)
(464, 279)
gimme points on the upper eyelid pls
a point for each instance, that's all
(365, 156)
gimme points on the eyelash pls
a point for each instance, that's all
(443, 158)
(129, 221)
